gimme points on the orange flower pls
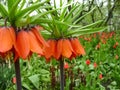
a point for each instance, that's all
(28, 42)
(58, 49)
(39, 37)
(67, 48)
(6, 39)
(50, 51)
(34, 44)
(22, 45)
(77, 47)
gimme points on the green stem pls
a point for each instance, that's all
(18, 76)
(62, 74)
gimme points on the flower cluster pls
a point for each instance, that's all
(22, 43)
(68, 48)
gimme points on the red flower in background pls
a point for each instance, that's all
(95, 65)
(14, 80)
(115, 45)
(66, 66)
(100, 76)
(88, 62)
(116, 57)
(97, 46)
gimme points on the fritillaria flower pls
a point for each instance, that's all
(67, 48)
(27, 42)
(22, 43)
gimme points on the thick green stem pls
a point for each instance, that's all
(61, 74)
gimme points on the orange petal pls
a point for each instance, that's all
(39, 37)
(22, 44)
(34, 45)
(5, 40)
(77, 47)
(66, 48)
(12, 32)
(58, 49)
(49, 51)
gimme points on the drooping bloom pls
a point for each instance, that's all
(67, 48)
(6, 39)
(49, 51)
(28, 42)
(77, 47)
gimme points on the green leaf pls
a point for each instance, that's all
(3, 11)
(25, 86)
(13, 9)
(43, 71)
(46, 34)
(37, 18)
(92, 25)
(84, 16)
(22, 22)
(79, 32)
(34, 80)
(69, 14)
(10, 4)
(29, 9)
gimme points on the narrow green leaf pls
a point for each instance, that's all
(3, 11)
(46, 34)
(84, 16)
(78, 32)
(92, 25)
(10, 4)
(21, 5)
(37, 17)
(22, 22)
(69, 14)
(31, 8)
(13, 10)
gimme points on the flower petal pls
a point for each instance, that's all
(49, 51)
(39, 37)
(66, 48)
(34, 45)
(12, 33)
(77, 47)
(22, 44)
(58, 49)
(5, 40)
